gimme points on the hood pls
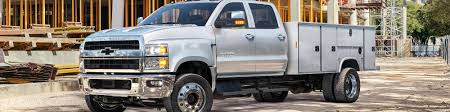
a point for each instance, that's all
(138, 30)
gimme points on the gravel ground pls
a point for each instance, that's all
(403, 84)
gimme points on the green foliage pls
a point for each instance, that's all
(415, 22)
(432, 19)
(436, 17)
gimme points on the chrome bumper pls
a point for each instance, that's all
(139, 86)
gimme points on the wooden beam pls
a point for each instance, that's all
(321, 12)
(62, 13)
(43, 12)
(311, 15)
(82, 12)
(26, 14)
(91, 9)
(36, 11)
(132, 13)
(73, 10)
(21, 21)
(8, 12)
(99, 15)
(54, 13)
(109, 13)
(126, 13)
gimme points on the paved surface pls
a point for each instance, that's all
(407, 84)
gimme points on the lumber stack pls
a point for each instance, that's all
(28, 72)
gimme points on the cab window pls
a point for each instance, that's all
(264, 16)
(231, 14)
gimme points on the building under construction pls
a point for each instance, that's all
(50, 31)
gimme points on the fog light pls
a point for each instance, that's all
(154, 83)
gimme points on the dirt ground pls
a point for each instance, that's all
(402, 84)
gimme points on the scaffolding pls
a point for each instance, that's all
(390, 28)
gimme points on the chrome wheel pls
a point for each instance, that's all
(351, 86)
(191, 97)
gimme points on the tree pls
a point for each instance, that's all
(416, 28)
(436, 17)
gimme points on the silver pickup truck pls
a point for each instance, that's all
(186, 54)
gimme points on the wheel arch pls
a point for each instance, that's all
(349, 62)
(199, 67)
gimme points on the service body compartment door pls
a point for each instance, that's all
(328, 45)
(369, 49)
(309, 48)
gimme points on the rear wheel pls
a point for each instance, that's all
(328, 87)
(191, 93)
(98, 104)
(347, 86)
(271, 96)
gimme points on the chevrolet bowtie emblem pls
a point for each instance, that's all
(107, 50)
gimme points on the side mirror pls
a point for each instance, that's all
(140, 19)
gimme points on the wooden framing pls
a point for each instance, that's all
(126, 13)
(311, 11)
(26, 14)
(99, 15)
(43, 12)
(54, 13)
(109, 13)
(62, 13)
(91, 9)
(132, 13)
(21, 14)
(73, 10)
(36, 12)
(7, 10)
(321, 12)
(82, 11)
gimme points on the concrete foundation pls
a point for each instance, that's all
(14, 90)
(43, 57)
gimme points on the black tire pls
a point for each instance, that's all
(328, 87)
(271, 96)
(347, 86)
(171, 103)
(94, 106)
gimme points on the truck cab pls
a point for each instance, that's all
(185, 54)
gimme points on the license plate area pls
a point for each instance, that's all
(110, 84)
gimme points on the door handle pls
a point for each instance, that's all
(317, 48)
(333, 48)
(250, 37)
(281, 37)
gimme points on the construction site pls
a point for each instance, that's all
(40, 41)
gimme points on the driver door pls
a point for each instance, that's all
(235, 44)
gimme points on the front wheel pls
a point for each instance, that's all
(191, 93)
(96, 104)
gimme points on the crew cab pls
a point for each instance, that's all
(186, 54)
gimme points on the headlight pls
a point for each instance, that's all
(156, 50)
(156, 63)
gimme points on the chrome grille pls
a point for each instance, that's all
(123, 44)
(112, 64)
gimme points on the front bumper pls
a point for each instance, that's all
(139, 87)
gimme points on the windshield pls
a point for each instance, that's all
(185, 13)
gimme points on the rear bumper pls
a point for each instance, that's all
(139, 85)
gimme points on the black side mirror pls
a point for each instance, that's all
(219, 24)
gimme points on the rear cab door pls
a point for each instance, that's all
(270, 39)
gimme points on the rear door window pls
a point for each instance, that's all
(264, 16)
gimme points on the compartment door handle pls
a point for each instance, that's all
(317, 48)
